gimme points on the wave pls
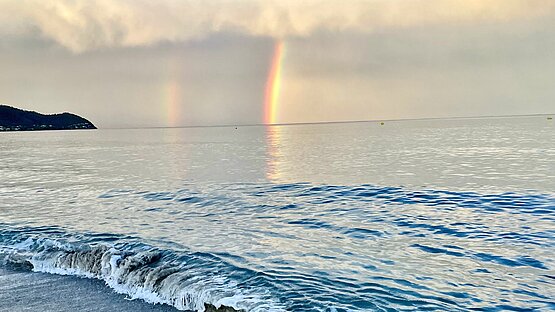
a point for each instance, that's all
(153, 275)
(306, 248)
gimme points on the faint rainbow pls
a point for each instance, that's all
(273, 85)
(173, 97)
(172, 94)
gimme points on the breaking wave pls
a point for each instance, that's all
(189, 281)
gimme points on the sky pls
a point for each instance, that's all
(146, 63)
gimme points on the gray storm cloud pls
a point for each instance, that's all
(81, 25)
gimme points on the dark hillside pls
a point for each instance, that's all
(14, 119)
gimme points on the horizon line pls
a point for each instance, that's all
(326, 122)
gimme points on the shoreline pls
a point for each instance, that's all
(35, 291)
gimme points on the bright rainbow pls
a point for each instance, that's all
(273, 85)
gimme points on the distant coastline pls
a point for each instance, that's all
(15, 119)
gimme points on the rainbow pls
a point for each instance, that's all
(273, 85)
(173, 100)
(172, 93)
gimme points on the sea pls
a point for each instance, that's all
(414, 215)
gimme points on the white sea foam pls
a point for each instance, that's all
(140, 275)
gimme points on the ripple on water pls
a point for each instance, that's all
(311, 247)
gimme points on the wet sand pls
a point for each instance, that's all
(29, 291)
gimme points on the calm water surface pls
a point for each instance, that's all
(436, 215)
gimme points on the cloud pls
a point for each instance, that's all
(82, 25)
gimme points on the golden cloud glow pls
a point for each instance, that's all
(81, 25)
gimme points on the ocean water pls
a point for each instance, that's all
(423, 215)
